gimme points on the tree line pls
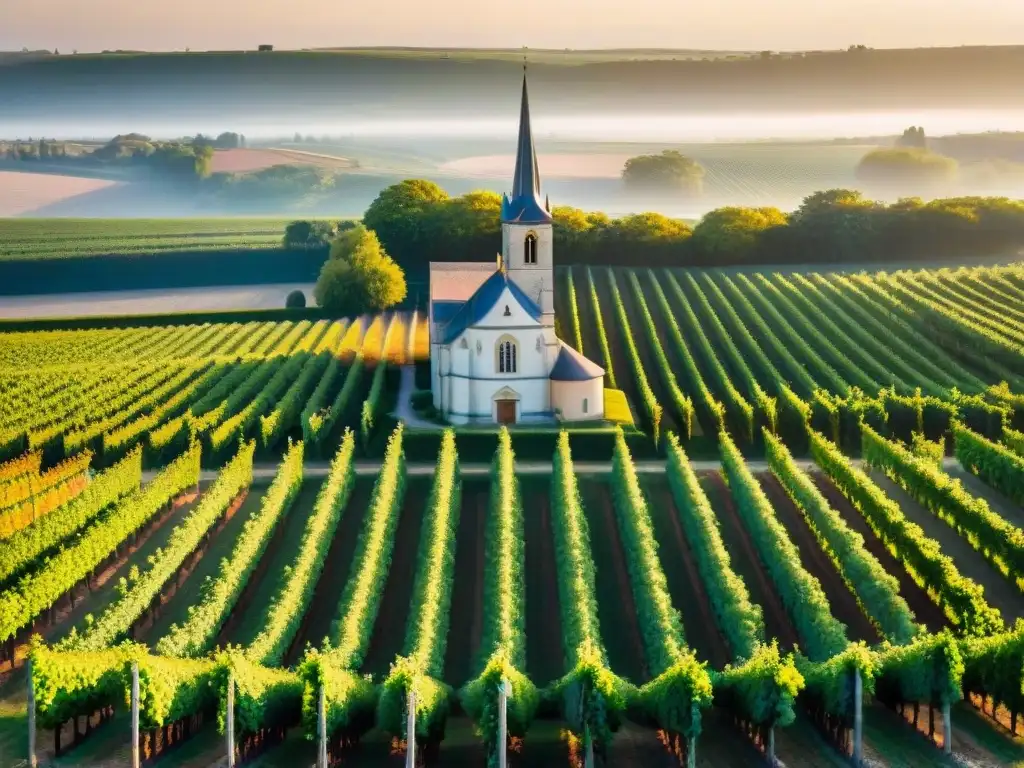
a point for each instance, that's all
(418, 222)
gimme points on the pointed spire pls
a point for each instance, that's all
(527, 176)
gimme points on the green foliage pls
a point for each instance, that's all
(994, 667)
(929, 450)
(830, 683)
(961, 598)
(36, 592)
(399, 213)
(264, 697)
(357, 611)
(602, 336)
(295, 300)
(800, 592)
(877, 592)
(171, 689)
(24, 547)
(480, 700)
(998, 466)
(295, 589)
(731, 234)
(118, 618)
(222, 590)
(318, 425)
(650, 400)
(675, 698)
(911, 166)
(432, 702)
(308, 234)
(1014, 440)
(359, 277)
(350, 699)
(928, 670)
(669, 171)
(371, 407)
(761, 690)
(287, 412)
(999, 541)
(739, 620)
(577, 333)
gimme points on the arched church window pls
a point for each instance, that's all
(506, 354)
(530, 249)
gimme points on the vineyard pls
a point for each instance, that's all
(809, 547)
(24, 239)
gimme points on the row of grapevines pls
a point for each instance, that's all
(930, 670)
(27, 545)
(995, 464)
(33, 594)
(360, 601)
(236, 388)
(577, 332)
(742, 411)
(291, 598)
(740, 620)
(650, 400)
(171, 689)
(26, 464)
(322, 423)
(925, 286)
(429, 612)
(714, 411)
(1014, 440)
(994, 667)
(999, 541)
(25, 487)
(682, 686)
(219, 594)
(503, 643)
(960, 597)
(117, 619)
(593, 698)
(875, 590)
(822, 635)
(317, 402)
(277, 423)
(373, 403)
(917, 366)
(795, 340)
(602, 336)
(16, 518)
(238, 426)
(265, 697)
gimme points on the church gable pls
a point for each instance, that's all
(509, 311)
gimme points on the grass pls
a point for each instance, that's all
(616, 407)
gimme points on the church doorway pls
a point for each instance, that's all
(506, 411)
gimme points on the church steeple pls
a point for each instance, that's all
(525, 205)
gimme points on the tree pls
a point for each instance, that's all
(359, 276)
(309, 234)
(732, 234)
(668, 172)
(913, 137)
(404, 217)
(295, 300)
(907, 168)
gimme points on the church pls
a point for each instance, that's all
(494, 355)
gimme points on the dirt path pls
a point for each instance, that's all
(545, 655)
(1000, 504)
(924, 608)
(175, 609)
(999, 592)
(684, 581)
(323, 608)
(747, 564)
(620, 629)
(389, 629)
(841, 600)
(461, 656)
(250, 614)
(801, 744)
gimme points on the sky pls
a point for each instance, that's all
(93, 25)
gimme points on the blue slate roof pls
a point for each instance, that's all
(481, 302)
(572, 366)
(446, 310)
(525, 206)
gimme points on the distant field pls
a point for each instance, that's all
(24, 192)
(249, 160)
(27, 239)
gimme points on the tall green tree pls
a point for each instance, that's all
(359, 276)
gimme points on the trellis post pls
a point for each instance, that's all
(321, 729)
(947, 729)
(230, 729)
(504, 692)
(31, 715)
(410, 731)
(691, 752)
(589, 760)
(771, 747)
(858, 719)
(135, 715)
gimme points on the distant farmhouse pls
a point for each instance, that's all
(494, 355)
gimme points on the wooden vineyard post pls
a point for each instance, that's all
(31, 716)
(691, 752)
(135, 714)
(947, 730)
(771, 747)
(858, 719)
(589, 760)
(410, 732)
(230, 729)
(504, 692)
(321, 729)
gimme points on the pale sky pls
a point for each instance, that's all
(90, 25)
